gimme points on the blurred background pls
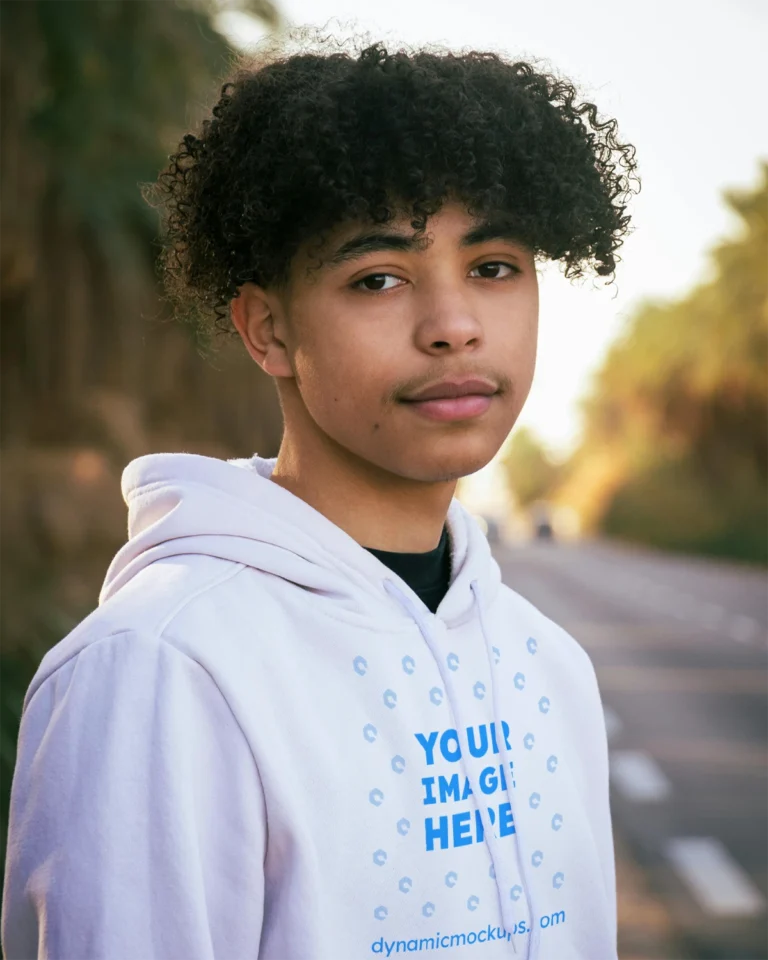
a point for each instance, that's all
(630, 502)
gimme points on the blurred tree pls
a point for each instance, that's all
(681, 408)
(94, 95)
(530, 472)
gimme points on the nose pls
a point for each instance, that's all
(448, 325)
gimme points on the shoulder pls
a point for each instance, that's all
(144, 608)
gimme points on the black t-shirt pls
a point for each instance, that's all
(427, 574)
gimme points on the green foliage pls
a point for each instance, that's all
(530, 473)
(683, 398)
(671, 505)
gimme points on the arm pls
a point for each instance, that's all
(137, 824)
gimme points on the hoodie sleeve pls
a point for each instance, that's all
(137, 822)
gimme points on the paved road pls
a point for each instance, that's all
(680, 646)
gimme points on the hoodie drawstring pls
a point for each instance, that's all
(491, 840)
(523, 857)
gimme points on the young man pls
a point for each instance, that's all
(307, 720)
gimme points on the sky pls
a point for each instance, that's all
(686, 82)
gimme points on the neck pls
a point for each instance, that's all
(376, 508)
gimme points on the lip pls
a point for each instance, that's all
(452, 408)
(451, 389)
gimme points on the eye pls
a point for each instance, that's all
(496, 265)
(374, 282)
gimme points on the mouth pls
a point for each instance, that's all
(453, 400)
(455, 408)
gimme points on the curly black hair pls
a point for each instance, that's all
(299, 143)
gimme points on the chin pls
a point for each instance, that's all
(443, 460)
(443, 469)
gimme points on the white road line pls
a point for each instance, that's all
(743, 628)
(684, 606)
(654, 592)
(613, 724)
(638, 776)
(711, 614)
(715, 879)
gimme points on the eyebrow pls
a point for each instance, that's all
(373, 241)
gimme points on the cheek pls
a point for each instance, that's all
(513, 340)
(340, 383)
(528, 347)
(523, 369)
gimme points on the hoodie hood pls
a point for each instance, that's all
(183, 503)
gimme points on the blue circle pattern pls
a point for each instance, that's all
(360, 666)
(398, 764)
(534, 800)
(370, 732)
(376, 796)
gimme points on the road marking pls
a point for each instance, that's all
(687, 608)
(613, 724)
(638, 776)
(716, 881)
(711, 614)
(743, 628)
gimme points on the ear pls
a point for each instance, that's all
(253, 314)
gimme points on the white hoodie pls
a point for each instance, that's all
(262, 744)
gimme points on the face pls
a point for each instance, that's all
(385, 318)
